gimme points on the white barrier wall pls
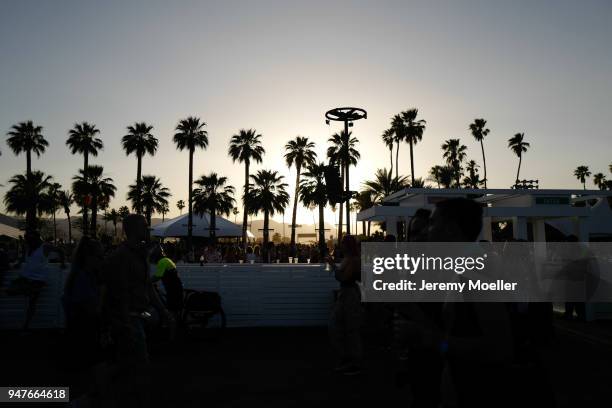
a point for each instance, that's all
(252, 295)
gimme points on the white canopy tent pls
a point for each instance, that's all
(177, 227)
(11, 232)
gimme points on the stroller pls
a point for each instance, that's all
(202, 309)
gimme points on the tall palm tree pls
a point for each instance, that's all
(28, 194)
(213, 196)
(398, 128)
(65, 198)
(480, 131)
(245, 147)
(472, 180)
(152, 196)
(582, 173)
(82, 139)
(190, 134)
(384, 184)
(268, 195)
(414, 133)
(519, 146)
(140, 141)
(388, 138)
(599, 179)
(25, 137)
(54, 203)
(455, 153)
(299, 152)
(343, 151)
(180, 204)
(94, 185)
(313, 192)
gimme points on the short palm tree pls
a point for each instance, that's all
(113, 216)
(180, 204)
(93, 189)
(123, 211)
(599, 179)
(28, 194)
(54, 203)
(343, 152)
(245, 147)
(519, 146)
(398, 128)
(165, 210)
(313, 192)
(268, 195)
(190, 135)
(25, 137)
(455, 153)
(65, 198)
(480, 131)
(213, 196)
(414, 129)
(235, 211)
(582, 173)
(472, 180)
(445, 176)
(434, 174)
(299, 152)
(388, 138)
(384, 184)
(140, 141)
(82, 139)
(363, 202)
(152, 196)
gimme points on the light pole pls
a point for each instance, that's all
(347, 115)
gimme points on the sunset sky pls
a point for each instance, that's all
(539, 67)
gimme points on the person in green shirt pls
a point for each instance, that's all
(165, 270)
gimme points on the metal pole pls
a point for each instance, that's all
(346, 171)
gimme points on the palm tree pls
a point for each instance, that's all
(190, 134)
(152, 196)
(235, 211)
(214, 197)
(384, 184)
(180, 204)
(123, 211)
(245, 146)
(480, 131)
(313, 192)
(98, 188)
(455, 153)
(472, 180)
(599, 179)
(442, 175)
(28, 194)
(364, 201)
(27, 138)
(414, 133)
(343, 152)
(82, 140)
(113, 216)
(139, 141)
(434, 174)
(66, 199)
(165, 210)
(518, 145)
(388, 138)
(54, 203)
(268, 195)
(398, 128)
(582, 173)
(300, 151)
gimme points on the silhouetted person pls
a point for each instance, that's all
(165, 270)
(128, 295)
(418, 226)
(346, 318)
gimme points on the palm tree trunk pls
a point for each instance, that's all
(484, 164)
(518, 171)
(31, 210)
(369, 225)
(245, 215)
(138, 184)
(213, 226)
(54, 228)
(94, 215)
(397, 160)
(85, 177)
(391, 157)
(115, 227)
(295, 204)
(348, 201)
(411, 163)
(190, 216)
(265, 236)
(322, 230)
(69, 228)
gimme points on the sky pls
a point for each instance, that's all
(538, 67)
